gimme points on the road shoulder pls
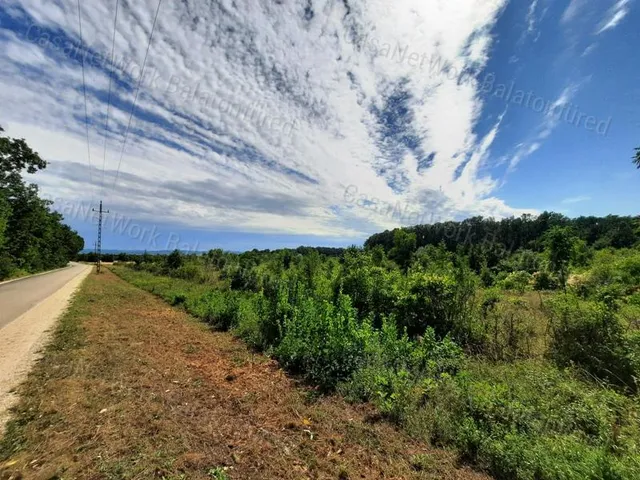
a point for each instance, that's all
(23, 339)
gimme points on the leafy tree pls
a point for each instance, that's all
(623, 236)
(378, 256)
(404, 244)
(174, 260)
(215, 257)
(32, 238)
(16, 156)
(5, 213)
(433, 259)
(582, 254)
(560, 242)
(636, 158)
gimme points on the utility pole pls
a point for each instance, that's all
(99, 243)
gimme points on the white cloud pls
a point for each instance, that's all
(578, 199)
(220, 162)
(553, 116)
(614, 16)
(572, 10)
(531, 16)
(591, 48)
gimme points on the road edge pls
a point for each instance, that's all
(71, 264)
(38, 325)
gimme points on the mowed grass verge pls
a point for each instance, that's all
(133, 388)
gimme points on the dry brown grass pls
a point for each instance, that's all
(132, 388)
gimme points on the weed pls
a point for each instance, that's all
(219, 473)
(422, 462)
(190, 349)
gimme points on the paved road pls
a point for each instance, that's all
(29, 310)
(19, 296)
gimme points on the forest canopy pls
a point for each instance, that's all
(494, 239)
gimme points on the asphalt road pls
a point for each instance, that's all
(21, 295)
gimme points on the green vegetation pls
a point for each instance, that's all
(32, 237)
(525, 358)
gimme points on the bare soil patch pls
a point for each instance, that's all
(132, 388)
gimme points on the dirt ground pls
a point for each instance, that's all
(133, 388)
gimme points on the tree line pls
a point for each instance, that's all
(488, 241)
(32, 236)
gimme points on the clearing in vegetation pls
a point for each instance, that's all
(132, 388)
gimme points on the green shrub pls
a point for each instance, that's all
(323, 342)
(517, 420)
(430, 301)
(486, 276)
(374, 291)
(208, 306)
(620, 268)
(508, 328)
(531, 421)
(190, 271)
(397, 370)
(554, 457)
(590, 336)
(174, 260)
(249, 324)
(632, 340)
(544, 280)
(7, 267)
(519, 281)
(630, 270)
(178, 299)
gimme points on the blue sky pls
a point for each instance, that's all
(319, 122)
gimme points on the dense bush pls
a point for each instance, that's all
(397, 371)
(613, 268)
(323, 342)
(444, 301)
(590, 335)
(544, 280)
(250, 323)
(518, 281)
(508, 328)
(528, 421)
(430, 301)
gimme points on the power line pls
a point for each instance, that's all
(135, 99)
(84, 91)
(106, 126)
